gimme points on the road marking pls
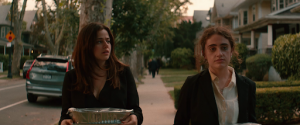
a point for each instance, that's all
(12, 87)
(11, 105)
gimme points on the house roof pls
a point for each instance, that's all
(245, 4)
(200, 15)
(4, 11)
(224, 7)
(285, 9)
(29, 18)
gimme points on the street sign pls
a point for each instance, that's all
(8, 44)
(10, 36)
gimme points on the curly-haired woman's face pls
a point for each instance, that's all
(102, 48)
(218, 52)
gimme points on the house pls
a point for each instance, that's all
(30, 17)
(262, 21)
(201, 15)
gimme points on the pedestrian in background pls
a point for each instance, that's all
(99, 79)
(153, 67)
(218, 95)
(158, 64)
(149, 68)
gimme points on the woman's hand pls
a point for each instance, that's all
(67, 122)
(131, 120)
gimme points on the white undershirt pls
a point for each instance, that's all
(227, 101)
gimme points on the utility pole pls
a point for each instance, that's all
(10, 50)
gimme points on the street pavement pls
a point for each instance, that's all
(16, 110)
(156, 103)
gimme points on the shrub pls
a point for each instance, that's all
(242, 49)
(5, 60)
(181, 57)
(257, 66)
(286, 54)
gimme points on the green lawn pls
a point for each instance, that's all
(175, 77)
(172, 72)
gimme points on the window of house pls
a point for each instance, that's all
(253, 12)
(245, 21)
(274, 5)
(281, 4)
(240, 19)
(2, 32)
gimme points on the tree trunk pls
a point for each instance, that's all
(47, 33)
(59, 32)
(94, 11)
(18, 45)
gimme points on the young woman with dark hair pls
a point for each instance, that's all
(99, 79)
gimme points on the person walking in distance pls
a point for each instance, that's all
(158, 64)
(149, 68)
(153, 67)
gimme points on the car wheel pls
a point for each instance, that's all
(31, 98)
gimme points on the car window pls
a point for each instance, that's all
(28, 63)
(51, 64)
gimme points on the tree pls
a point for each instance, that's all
(18, 45)
(95, 11)
(55, 31)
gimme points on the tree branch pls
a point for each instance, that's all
(47, 33)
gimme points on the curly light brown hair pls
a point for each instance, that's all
(220, 31)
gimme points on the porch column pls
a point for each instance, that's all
(29, 51)
(221, 21)
(270, 35)
(23, 52)
(4, 49)
(240, 38)
(252, 39)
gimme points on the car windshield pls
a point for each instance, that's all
(51, 64)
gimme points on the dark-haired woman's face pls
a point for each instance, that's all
(102, 47)
(218, 52)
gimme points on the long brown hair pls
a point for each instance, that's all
(223, 31)
(84, 59)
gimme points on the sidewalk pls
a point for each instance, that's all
(156, 103)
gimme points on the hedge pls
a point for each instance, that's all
(5, 60)
(277, 84)
(277, 105)
(274, 104)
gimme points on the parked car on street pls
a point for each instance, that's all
(26, 66)
(45, 76)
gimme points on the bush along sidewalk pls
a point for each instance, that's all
(276, 102)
